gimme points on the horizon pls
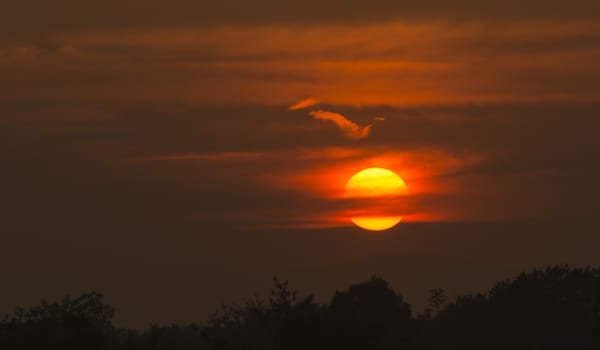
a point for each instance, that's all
(418, 257)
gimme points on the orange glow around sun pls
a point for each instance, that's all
(368, 187)
(375, 183)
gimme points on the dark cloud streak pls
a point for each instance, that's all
(29, 21)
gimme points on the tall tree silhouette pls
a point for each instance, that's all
(279, 322)
(369, 315)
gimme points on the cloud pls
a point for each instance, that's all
(19, 53)
(300, 154)
(228, 156)
(350, 129)
(436, 63)
(309, 102)
(36, 20)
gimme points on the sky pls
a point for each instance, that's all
(179, 155)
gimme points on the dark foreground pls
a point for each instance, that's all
(555, 308)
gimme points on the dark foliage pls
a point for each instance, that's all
(369, 315)
(80, 323)
(554, 308)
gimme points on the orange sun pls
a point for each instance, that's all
(375, 183)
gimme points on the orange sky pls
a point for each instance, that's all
(402, 63)
(323, 70)
(147, 137)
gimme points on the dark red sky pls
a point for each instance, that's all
(148, 150)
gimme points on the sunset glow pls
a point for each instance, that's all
(177, 155)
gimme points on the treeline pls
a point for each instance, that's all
(554, 308)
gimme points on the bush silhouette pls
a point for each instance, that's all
(80, 323)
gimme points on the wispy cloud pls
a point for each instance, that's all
(309, 102)
(273, 65)
(304, 154)
(350, 129)
(204, 156)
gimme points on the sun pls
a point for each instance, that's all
(376, 223)
(375, 183)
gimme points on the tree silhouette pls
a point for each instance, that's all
(369, 314)
(554, 308)
(541, 309)
(437, 299)
(279, 322)
(80, 323)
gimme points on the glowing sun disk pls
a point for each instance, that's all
(376, 223)
(375, 182)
